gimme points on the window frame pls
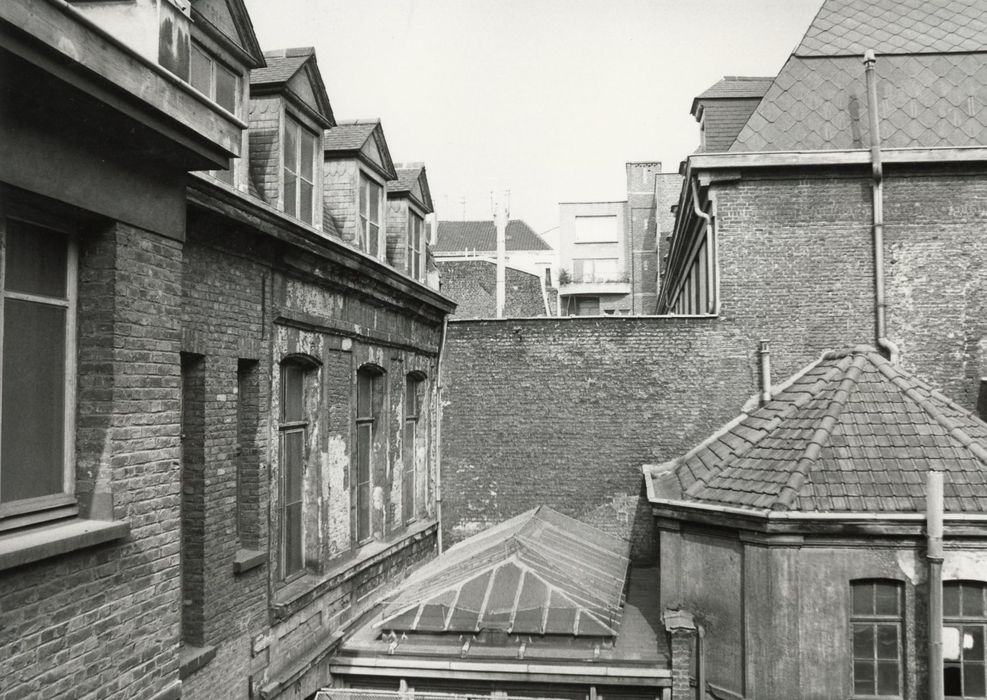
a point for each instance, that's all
(214, 63)
(410, 463)
(363, 205)
(874, 620)
(371, 423)
(963, 621)
(286, 427)
(415, 244)
(299, 130)
(49, 506)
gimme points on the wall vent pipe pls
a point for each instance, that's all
(877, 190)
(765, 354)
(934, 554)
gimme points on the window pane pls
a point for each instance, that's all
(973, 600)
(224, 175)
(290, 145)
(294, 451)
(307, 155)
(373, 242)
(951, 600)
(606, 270)
(293, 539)
(364, 395)
(951, 647)
(37, 260)
(887, 677)
(973, 643)
(887, 598)
(201, 71)
(364, 197)
(863, 598)
(887, 641)
(364, 435)
(289, 193)
(32, 446)
(226, 89)
(362, 512)
(373, 213)
(292, 378)
(863, 677)
(305, 205)
(973, 680)
(952, 680)
(578, 270)
(863, 641)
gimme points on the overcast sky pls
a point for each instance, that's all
(546, 98)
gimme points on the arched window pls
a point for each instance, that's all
(964, 620)
(875, 624)
(369, 400)
(414, 388)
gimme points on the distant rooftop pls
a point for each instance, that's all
(481, 236)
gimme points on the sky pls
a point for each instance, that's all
(546, 99)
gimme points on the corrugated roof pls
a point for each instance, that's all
(931, 72)
(852, 433)
(349, 135)
(481, 236)
(538, 573)
(850, 27)
(282, 64)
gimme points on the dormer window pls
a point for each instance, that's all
(214, 80)
(371, 197)
(416, 226)
(300, 150)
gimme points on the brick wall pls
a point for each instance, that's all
(642, 234)
(104, 621)
(796, 266)
(564, 412)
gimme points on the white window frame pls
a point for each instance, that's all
(67, 496)
(365, 183)
(416, 233)
(296, 126)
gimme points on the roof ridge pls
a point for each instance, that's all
(927, 405)
(790, 491)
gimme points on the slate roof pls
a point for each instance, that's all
(406, 180)
(349, 135)
(481, 236)
(282, 64)
(931, 70)
(852, 433)
(733, 87)
(540, 572)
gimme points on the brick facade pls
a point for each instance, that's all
(518, 432)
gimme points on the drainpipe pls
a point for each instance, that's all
(934, 553)
(711, 245)
(765, 372)
(877, 170)
(438, 431)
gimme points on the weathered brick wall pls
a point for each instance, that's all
(564, 412)
(642, 234)
(104, 621)
(247, 299)
(796, 266)
(341, 199)
(264, 150)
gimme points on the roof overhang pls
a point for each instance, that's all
(592, 673)
(64, 43)
(701, 170)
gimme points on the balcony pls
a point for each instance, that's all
(573, 285)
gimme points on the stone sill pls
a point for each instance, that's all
(34, 544)
(191, 659)
(246, 559)
(301, 592)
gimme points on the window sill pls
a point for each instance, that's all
(191, 659)
(246, 559)
(300, 593)
(34, 544)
